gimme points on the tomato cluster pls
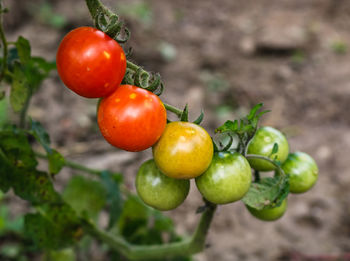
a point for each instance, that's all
(301, 168)
(131, 118)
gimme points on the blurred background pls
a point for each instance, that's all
(224, 57)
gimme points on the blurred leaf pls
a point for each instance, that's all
(40, 134)
(19, 89)
(37, 70)
(84, 194)
(67, 254)
(163, 223)
(114, 197)
(56, 160)
(267, 192)
(23, 49)
(56, 228)
(16, 148)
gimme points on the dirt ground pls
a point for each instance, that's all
(225, 56)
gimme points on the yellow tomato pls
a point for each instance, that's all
(184, 150)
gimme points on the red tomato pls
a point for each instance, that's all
(90, 63)
(131, 118)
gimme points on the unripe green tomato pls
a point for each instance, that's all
(303, 172)
(184, 150)
(271, 214)
(158, 190)
(262, 144)
(227, 179)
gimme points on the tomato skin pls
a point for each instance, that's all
(159, 191)
(271, 214)
(262, 144)
(90, 63)
(131, 118)
(303, 172)
(184, 150)
(227, 179)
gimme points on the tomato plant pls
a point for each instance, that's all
(263, 144)
(131, 118)
(184, 150)
(226, 180)
(90, 63)
(158, 190)
(302, 170)
(269, 214)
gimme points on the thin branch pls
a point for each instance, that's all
(185, 247)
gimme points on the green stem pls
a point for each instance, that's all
(173, 109)
(73, 165)
(95, 6)
(186, 247)
(77, 166)
(22, 120)
(278, 167)
(5, 49)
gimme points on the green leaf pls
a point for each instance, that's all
(253, 111)
(56, 227)
(34, 186)
(19, 89)
(40, 134)
(85, 195)
(56, 160)
(16, 148)
(66, 254)
(184, 114)
(267, 192)
(274, 149)
(199, 119)
(114, 197)
(23, 49)
(228, 126)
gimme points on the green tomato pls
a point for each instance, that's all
(303, 172)
(270, 214)
(158, 190)
(227, 179)
(262, 144)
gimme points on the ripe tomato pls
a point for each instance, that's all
(158, 190)
(90, 63)
(227, 179)
(303, 172)
(131, 118)
(262, 144)
(184, 150)
(270, 214)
